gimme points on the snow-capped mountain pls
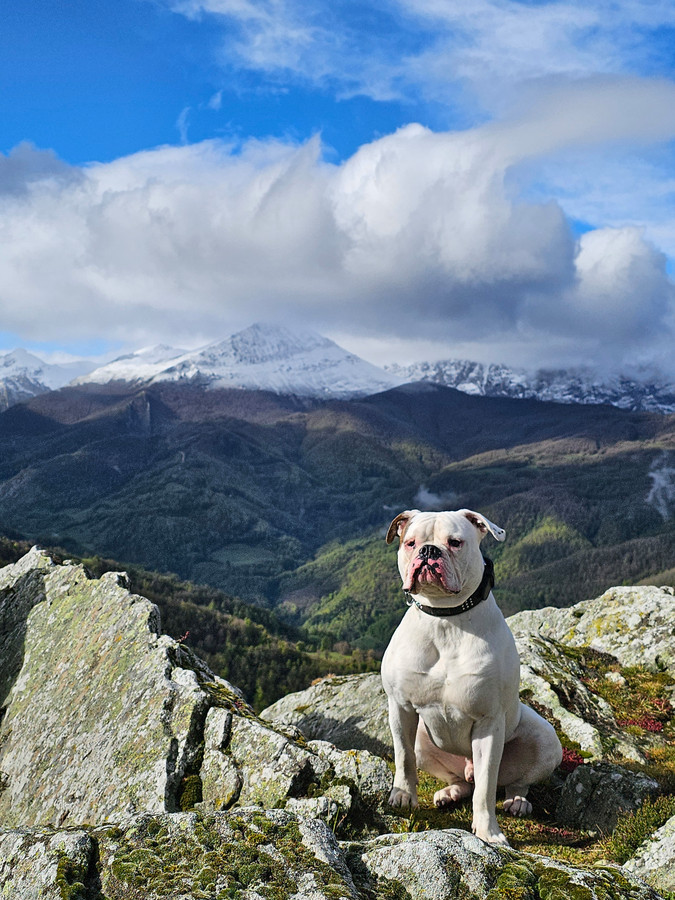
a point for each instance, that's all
(141, 365)
(306, 364)
(262, 357)
(560, 386)
(23, 375)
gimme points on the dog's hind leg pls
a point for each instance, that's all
(530, 756)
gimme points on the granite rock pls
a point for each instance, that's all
(634, 624)
(654, 860)
(350, 711)
(595, 796)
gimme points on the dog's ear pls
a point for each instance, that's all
(484, 525)
(399, 525)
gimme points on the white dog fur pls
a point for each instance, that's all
(452, 682)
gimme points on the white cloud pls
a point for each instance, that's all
(435, 48)
(420, 236)
(182, 124)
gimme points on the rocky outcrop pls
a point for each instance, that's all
(350, 711)
(106, 717)
(129, 770)
(633, 624)
(252, 853)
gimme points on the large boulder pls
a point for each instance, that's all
(350, 711)
(633, 624)
(103, 717)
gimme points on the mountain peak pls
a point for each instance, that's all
(264, 356)
(265, 342)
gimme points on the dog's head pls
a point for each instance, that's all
(439, 552)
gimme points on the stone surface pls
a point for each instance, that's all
(441, 865)
(655, 858)
(104, 718)
(21, 588)
(634, 624)
(273, 854)
(100, 720)
(247, 853)
(552, 680)
(368, 773)
(595, 796)
(350, 711)
(45, 865)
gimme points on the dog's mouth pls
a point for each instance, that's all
(430, 572)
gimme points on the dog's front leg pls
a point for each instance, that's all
(403, 724)
(487, 744)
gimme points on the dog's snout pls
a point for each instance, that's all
(429, 551)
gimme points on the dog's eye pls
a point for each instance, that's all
(410, 543)
(454, 542)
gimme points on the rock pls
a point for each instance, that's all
(595, 796)
(45, 865)
(655, 858)
(367, 773)
(350, 711)
(634, 624)
(104, 718)
(552, 680)
(101, 719)
(273, 768)
(21, 588)
(439, 865)
(247, 853)
(274, 854)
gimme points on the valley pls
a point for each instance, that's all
(283, 501)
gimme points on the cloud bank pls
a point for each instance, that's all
(419, 236)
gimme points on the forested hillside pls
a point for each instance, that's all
(284, 503)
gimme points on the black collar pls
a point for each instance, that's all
(481, 593)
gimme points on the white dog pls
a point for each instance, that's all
(451, 673)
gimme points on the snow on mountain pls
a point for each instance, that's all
(141, 365)
(306, 364)
(262, 357)
(276, 358)
(648, 393)
(23, 375)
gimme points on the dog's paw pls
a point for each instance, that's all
(399, 797)
(453, 793)
(517, 806)
(491, 835)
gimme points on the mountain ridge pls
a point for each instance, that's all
(651, 393)
(240, 489)
(302, 363)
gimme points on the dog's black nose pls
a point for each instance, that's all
(428, 551)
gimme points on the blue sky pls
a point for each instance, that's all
(483, 178)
